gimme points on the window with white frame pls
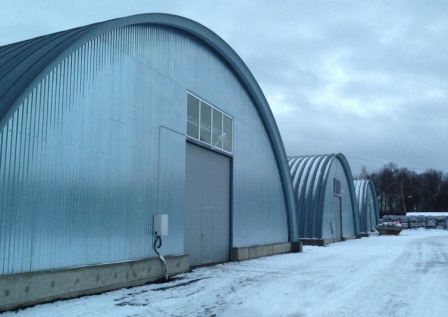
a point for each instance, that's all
(208, 124)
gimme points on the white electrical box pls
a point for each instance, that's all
(160, 225)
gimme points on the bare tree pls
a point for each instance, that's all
(400, 190)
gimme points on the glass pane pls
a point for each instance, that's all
(217, 128)
(206, 123)
(228, 130)
(193, 117)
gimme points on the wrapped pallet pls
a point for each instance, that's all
(441, 222)
(404, 220)
(421, 221)
(431, 222)
(413, 222)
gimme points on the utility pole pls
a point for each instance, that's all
(402, 196)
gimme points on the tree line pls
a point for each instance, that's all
(400, 190)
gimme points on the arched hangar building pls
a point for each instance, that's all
(367, 205)
(105, 126)
(327, 209)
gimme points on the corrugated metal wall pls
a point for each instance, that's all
(313, 184)
(308, 179)
(366, 195)
(98, 147)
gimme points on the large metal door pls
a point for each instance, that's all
(337, 220)
(207, 206)
(208, 234)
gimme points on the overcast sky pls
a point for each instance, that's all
(368, 79)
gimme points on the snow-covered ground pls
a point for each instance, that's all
(427, 214)
(405, 275)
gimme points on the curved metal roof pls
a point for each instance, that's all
(21, 63)
(362, 188)
(310, 176)
(24, 64)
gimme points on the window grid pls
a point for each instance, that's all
(202, 126)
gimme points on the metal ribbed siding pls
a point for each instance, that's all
(366, 194)
(313, 185)
(80, 165)
(259, 212)
(81, 171)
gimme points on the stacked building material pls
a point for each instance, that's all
(441, 222)
(431, 222)
(404, 220)
(394, 218)
(413, 222)
(421, 221)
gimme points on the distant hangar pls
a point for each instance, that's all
(327, 209)
(367, 205)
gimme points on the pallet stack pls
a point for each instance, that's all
(419, 221)
(413, 222)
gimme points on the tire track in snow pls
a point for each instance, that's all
(414, 279)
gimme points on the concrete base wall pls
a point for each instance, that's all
(296, 247)
(325, 241)
(26, 289)
(257, 251)
(317, 242)
(351, 238)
